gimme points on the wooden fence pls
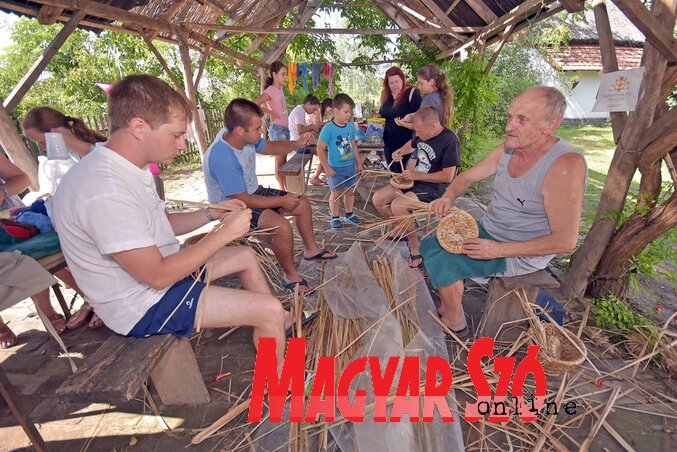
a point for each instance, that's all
(213, 123)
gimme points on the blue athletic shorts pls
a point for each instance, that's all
(343, 173)
(183, 320)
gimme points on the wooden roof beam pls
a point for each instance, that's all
(659, 37)
(514, 16)
(41, 63)
(112, 13)
(482, 10)
(444, 18)
(48, 15)
(171, 11)
(332, 31)
(573, 6)
(280, 44)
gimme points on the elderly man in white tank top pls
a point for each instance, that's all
(535, 208)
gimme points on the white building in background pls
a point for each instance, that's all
(581, 62)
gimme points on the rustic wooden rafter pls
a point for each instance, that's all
(41, 63)
(279, 45)
(482, 10)
(657, 34)
(48, 15)
(112, 13)
(514, 16)
(331, 31)
(444, 18)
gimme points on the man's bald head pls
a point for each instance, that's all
(427, 116)
(427, 123)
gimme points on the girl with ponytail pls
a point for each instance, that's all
(80, 141)
(276, 107)
(79, 138)
(438, 95)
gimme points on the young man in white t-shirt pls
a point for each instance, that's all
(120, 242)
(299, 124)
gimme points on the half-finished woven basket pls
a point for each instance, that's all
(455, 228)
(401, 182)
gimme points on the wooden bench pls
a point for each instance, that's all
(503, 317)
(292, 170)
(118, 369)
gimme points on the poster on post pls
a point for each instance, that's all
(619, 91)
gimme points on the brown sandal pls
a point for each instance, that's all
(7, 337)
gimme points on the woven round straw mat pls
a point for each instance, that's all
(456, 227)
(401, 182)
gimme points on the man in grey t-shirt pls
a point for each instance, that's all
(535, 209)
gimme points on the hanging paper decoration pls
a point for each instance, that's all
(315, 67)
(328, 73)
(291, 77)
(304, 74)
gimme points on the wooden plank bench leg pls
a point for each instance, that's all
(17, 408)
(177, 377)
(503, 317)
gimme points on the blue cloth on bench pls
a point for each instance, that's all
(36, 247)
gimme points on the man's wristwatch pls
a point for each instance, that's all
(208, 214)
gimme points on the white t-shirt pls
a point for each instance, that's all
(297, 117)
(104, 205)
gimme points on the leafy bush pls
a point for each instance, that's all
(615, 315)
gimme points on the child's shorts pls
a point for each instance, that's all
(342, 179)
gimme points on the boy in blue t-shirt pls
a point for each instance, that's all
(337, 149)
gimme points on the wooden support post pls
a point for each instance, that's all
(623, 165)
(609, 61)
(201, 66)
(177, 377)
(192, 96)
(41, 63)
(17, 408)
(16, 149)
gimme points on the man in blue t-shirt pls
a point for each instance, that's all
(230, 172)
(435, 155)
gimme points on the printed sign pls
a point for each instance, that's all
(618, 91)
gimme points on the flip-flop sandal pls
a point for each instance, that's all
(463, 333)
(321, 256)
(292, 286)
(7, 338)
(412, 258)
(307, 318)
(95, 323)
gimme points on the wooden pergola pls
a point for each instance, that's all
(644, 137)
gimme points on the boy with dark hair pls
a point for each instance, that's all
(230, 172)
(337, 148)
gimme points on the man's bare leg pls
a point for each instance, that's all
(282, 243)
(451, 308)
(303, 217)
(399, 206)
(383, 198)
(225, 307)
(279, 161)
